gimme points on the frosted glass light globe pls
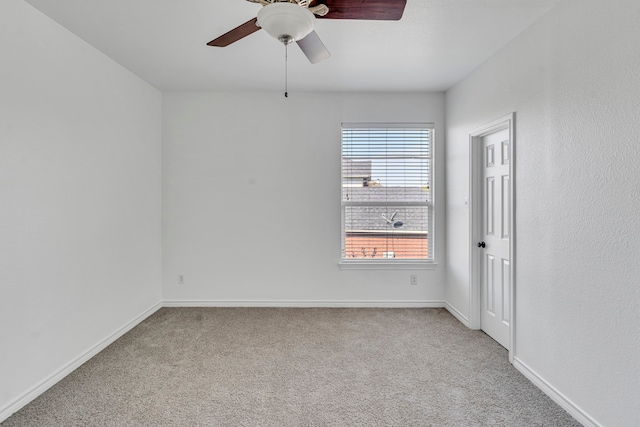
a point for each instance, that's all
(286, 21)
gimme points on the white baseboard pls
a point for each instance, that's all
(50, 381)
(303, 303)
(574, 410)
(455, 313)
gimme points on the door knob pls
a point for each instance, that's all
(481, 244)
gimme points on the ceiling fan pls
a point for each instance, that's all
(294, 20)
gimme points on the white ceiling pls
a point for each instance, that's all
(434, 45)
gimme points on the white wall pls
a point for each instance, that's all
(573, 79)
(251, 202)
(80, 246)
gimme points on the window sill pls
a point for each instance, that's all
(387, 265)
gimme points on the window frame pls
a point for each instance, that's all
(391, 263)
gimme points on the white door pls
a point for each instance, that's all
(494, 265)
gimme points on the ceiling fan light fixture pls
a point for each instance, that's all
(286, 22)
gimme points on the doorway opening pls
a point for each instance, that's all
(492, 230)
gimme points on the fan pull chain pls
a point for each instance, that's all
(286, 66)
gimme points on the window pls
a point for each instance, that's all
(386, 193)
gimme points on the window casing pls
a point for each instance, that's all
(386, 195)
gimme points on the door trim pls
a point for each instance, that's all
(475, 226)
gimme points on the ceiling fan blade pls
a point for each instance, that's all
(375, 10)
(313, 47)
(236, 34)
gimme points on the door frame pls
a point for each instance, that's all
(475, 224)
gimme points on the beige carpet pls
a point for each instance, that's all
(296, 367)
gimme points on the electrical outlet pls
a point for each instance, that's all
(414, 279)
(180, 279)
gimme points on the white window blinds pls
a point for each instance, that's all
(386, 191)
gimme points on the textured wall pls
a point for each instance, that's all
(80, 189)
(573, 79)
(251, 198)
